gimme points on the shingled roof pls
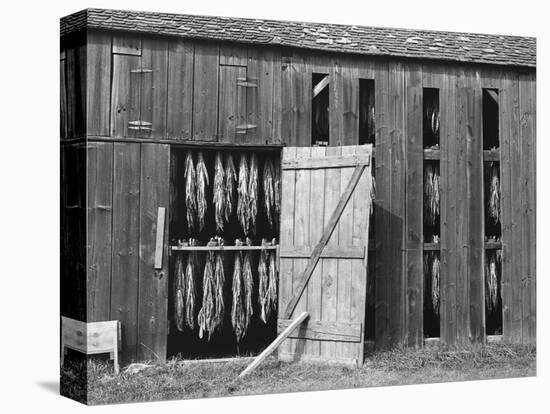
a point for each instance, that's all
(450, 46)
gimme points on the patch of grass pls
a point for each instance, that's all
(177, 380)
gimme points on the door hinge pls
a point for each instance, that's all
(242, 129)
(140, 125)
(247, 82)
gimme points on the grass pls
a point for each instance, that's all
(177, 380)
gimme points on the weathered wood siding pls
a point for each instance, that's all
(122, 87)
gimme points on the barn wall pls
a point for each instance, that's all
(156, 89)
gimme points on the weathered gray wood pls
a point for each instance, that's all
(527, 99)
(127, 45)
(397, 210)
(382, 206)
(125, 257)
(334, 161)
(99, 225)
(275, 344)
(154, 88)
(153, 283)
(328, 252)
(180, 90)
(159, 241)
(414, 201)
(205, 92)
(327, 232)
(232, 104)
(98, 83)
(474, 182)
(325, 331)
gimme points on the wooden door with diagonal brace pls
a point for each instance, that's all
(325, 208)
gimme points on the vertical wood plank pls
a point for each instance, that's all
(232, 104)
(205, 94)
(360, 236)
(154, 87)
(301, 237)
(316, 226)
(277, 97)
(99, 222)
(462, 282)
(397, 140)
(76, 87)
(63, 96)
(286, 234)
(345, 267)
(350, 104)
(414, 201)
(517, 249)
(153, 292)
(180, 91)
(233, 55)
(330, 266)
(475, 191)
(259, 101)
(527, 100)
(296, 101)
(448, 207)
(508, 94)
(98, 83)
(335, 91)
(125, 257)
(125, 94)
(382, 206)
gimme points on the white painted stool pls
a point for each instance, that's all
(90, 338)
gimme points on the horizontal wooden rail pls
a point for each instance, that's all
(432, 154)
(328, 252)
(491, 155)
(493, 245)
(324, 330)
(432, 246)
(218, 248)
(335, 161)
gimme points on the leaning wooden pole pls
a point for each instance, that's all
(275, 344)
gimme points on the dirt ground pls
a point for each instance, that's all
(180, 380)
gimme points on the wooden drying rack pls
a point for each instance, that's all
(218, 248)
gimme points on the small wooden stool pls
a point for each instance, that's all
(90, 338)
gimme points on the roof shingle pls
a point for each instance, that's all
(453, 46)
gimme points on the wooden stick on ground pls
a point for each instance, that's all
(275, 344)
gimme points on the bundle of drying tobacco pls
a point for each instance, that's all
(190, 192)
(243, 208)
(263, 285)
(253, 192)
(202, 184)
(238, 312)
(219, 193)
(269, 195)
(230, 180)
(208, 311)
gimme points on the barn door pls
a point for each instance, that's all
(325, 209)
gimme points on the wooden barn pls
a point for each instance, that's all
(444, 122)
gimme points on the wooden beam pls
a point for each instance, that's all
(327, 232)
(159, 243)
(323, 83)
(328, 252)
(275, 344)
(334, 161)
(325, 330)
(219, 248)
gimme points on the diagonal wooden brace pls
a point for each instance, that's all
(327, 232)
